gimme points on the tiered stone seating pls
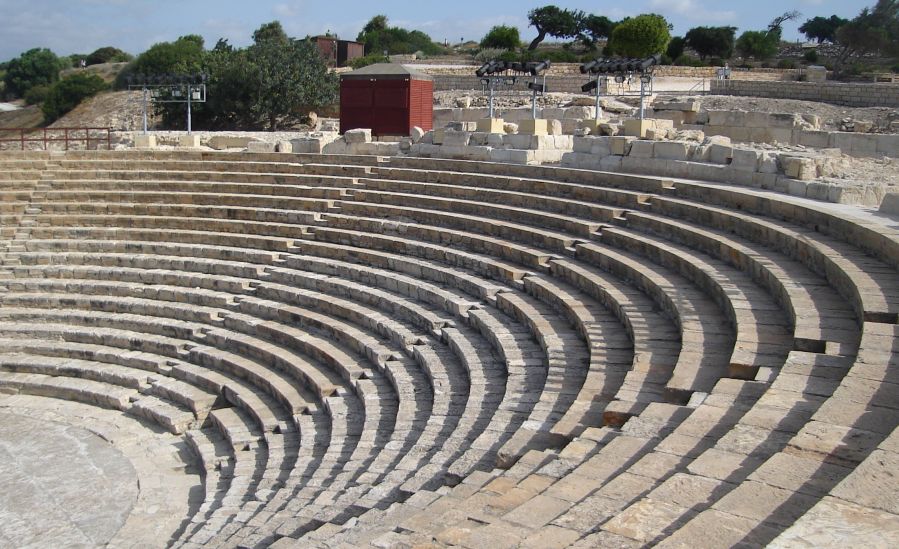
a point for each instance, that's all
(390, 352)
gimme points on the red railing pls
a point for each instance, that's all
(47, 136)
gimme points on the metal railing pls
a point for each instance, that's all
(68, 137)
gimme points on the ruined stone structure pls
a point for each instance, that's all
(305, 350)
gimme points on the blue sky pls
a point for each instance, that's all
(81, 26)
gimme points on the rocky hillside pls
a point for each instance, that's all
(120, 111)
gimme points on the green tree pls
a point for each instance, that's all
(108, 54)
(758, 44)
(35, 67)
(711, 41)
(641, 36)
(376, 23)
(874, 30)
(675, 47)
(822, 29)
(182, 56)
(271, 85)
(378, 37)
(69, 92)
(554, 21)
(502, 37)
(270, 32)
(594, 28)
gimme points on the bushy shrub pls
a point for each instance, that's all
(36, 95)
(502, 37)
(786, 64)
(811, 56)
(488, 54)
(367, 60)
(641, 36)
(36, 67)
(68, 93)
(688, 61)
(107, 55)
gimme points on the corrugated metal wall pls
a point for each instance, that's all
(387, 106)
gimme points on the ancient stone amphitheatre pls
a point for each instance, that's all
(243, 349)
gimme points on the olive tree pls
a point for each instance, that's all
(641, 36)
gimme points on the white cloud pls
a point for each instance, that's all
(693, 10)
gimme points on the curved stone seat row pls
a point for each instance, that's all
(629, 360)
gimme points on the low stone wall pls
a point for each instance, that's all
(794, 129)
(849, 94)
(719, 161)
(495, 147)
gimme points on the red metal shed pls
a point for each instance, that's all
(388, 98)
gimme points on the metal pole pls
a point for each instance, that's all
(490, 107)
(145, 110)
(598, 107)
(188, 109)
(642, 91)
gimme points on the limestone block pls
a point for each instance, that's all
(890, 203)
(555, 127)
(785, 120)
(338, 146)
(569, 126)
(479, 138)
(720, 154)
(428, 138)
(717, 118)
(638, 128)
(621, 145)
(813, 138)
(601, 147)
(495, 139)
(815, 73)
(745, 160)
(520, 141)
(190, 140)
(779, 135)
(522, 156)
(417, 133)
(592, 126)
(583, 144)
(438, 136)
(688, 105)
(677, 117)
(557, 113)
(220, 142)
(888, 144)
(798, 167)
(812, 120)
(387, 148)
(864, 145)
(611, 163)
(260, 147)
(533, 127)
(580, 112)
(144, 141)
(642, 148)
(456, 138)
(671, 150)
(491, 125)
(768, 163)
(607, 128)
(359, 135)
(472, 115)
(797, 187)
